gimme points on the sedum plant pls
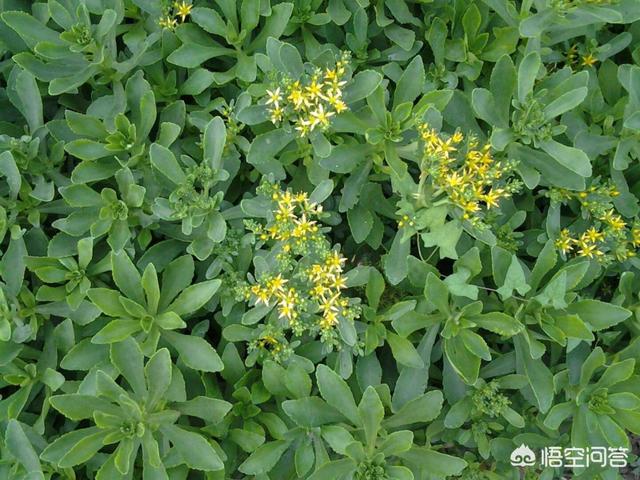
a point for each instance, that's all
(291, 240)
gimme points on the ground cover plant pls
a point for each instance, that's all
(319, 239)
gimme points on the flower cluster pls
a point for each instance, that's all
(608, 236)
(469, 176)
(272, 343)
(180, 10)
(192, 197)
(580, 56)
(487, 400)
(309, 104)
(295, 222)
(305, 286)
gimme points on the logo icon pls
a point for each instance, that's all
(523, 456)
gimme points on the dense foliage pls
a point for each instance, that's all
(309, 239)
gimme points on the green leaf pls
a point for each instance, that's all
(264, 458)
(274, 25)
(419, 410)
(572, 158)
(195, 352)
(558, 414)
(565, 102)
(127, 357)
(264, 149)
(31, 30)
(215, 136)
(165, 162)
(210, 409)
(335, 469)
(498, 322)
(396, 267)
(116, 331)
(86, 149)
(195, 451)
(435, 463)
(210, 20)
(371, 413)
(157, 373)
(9, 169)
(194, 297)
(397, 442)
(311, 412)
(337, 393)
(445, 237)
(79, 407)
(30, 102)
(410, 83)
(527, 72)
(77, 450)
(437, 293)
(127, 277)
(18, 444)
(361, 86)
(403, 351)
(345, 158)
(108, 301)
(539, 376)
(599, 315)
(475, 344)
(464, 362)
(514, 280)
(176, 277)
(291, 60)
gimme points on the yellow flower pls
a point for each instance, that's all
(589, 60)
(284, 212)
(287, 310)
(276, 284)
(320, 117)
(444, 147)
(314, 90)
(262, 295)
(183, 9)
(614, 221)
(287, 305)
(457, 137)
(593, 235)
(329, 319)
(492, 197)
(564, 242)
(316, 272)
(297, 96)
(274, 97)
(303, 127)
(334, 96)
(454, 180)
(168, 22)
(304, 226)
(635, 233)
(335, 261)
(339, 283)
(589, 250)
(340, 106)
(276, 114)
(318, 291)
(471, 207)
(330, 74)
